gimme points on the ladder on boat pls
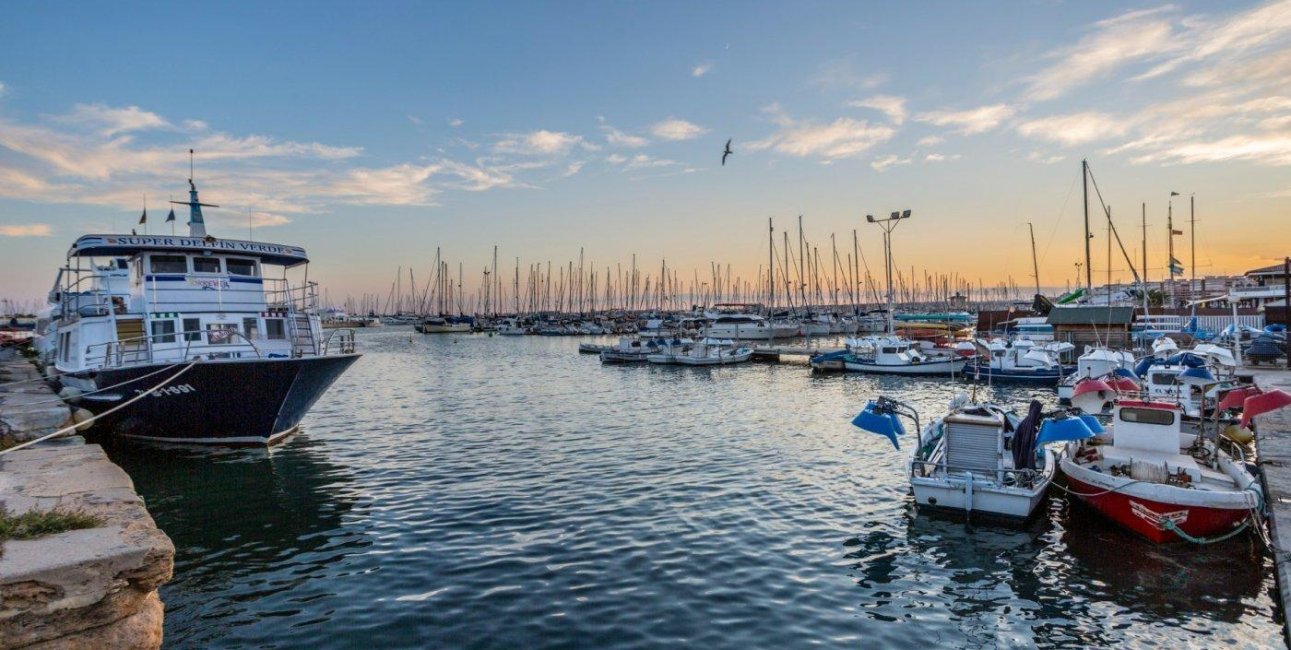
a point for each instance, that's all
(302, 336)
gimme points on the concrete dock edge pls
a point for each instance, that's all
(1273, 447)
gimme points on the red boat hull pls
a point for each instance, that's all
(1146, 517)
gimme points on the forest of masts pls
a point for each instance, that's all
(804, 280)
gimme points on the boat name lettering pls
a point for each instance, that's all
(198, 243)
(174, 389)
(209, 283)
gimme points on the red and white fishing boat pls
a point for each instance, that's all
(1146, 474)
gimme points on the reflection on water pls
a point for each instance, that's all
(508, 492)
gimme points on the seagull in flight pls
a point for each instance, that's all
(727, 152)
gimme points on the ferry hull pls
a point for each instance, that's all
(1145, 517)
(239, 402)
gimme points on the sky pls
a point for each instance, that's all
(372, 134)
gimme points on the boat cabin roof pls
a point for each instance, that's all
(127, 245)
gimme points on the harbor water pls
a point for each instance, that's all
(476, 491)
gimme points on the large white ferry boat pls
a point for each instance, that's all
(249, 343)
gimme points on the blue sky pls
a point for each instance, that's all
(372, 133)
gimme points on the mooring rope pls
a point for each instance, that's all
(23, 381)
(97, 390)
(110, 411)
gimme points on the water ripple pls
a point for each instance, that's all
(499, 492)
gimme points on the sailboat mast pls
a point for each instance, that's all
(1084, 182)
(770, 265)
(1035, 265)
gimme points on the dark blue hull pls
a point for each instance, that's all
(1038, 376)
(240, 402)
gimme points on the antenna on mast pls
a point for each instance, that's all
(190, 165)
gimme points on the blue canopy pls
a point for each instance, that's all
(1197, 377)
(1064, 429)
(882, 422)
(1125, 372)
(1091, 422)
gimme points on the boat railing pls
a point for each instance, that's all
(141, 350)
(344, 339)
(91, 301)
(925, 468)
(301, 298)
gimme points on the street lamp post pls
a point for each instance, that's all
(888, 225)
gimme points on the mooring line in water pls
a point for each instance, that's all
(110, 411)
(97, 390)
(1094, 494)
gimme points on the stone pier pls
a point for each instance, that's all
(92, 588)
(29, 409)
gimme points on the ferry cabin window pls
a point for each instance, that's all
(163, 331)
(238, 266)
(169, 264)
(274, 329)
(192, 329)
(1147, 416)
(220, 333)
(206, 265)
(251, 328)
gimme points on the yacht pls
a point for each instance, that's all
(211, 335)
(738, 322)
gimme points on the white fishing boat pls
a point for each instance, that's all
(511, 327)
(1020, 361)
(977, 458)
(628, 350)
(1094, 363)
(888, 355)
(708, 352)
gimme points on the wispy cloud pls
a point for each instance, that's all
(1111, 44)
(456, 122)
(893, 107)
(940, 157)
(843, 74)
(930, 141)
(701, 69)
(969, 121)
(538, 143)
(642, 161)
(1044, 158)
(842, 138)
(677, 129)
(26, 230)
(617, 138)
(1074, 128)
(109, 121)
(90, 155)
(882, 164)
(573, 168)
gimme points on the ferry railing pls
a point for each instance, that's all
(303, 298)
(140, 349)
(344, 341)
(76, 303)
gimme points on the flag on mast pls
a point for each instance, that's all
(170, 218)
(1176, 232)
(144, 217)
(1176, 267)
